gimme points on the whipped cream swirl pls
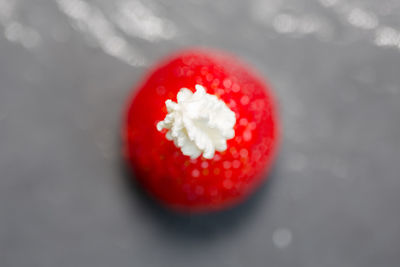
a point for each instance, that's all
(198, 123)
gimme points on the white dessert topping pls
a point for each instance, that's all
(199, 123)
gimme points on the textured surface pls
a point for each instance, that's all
(66, 67)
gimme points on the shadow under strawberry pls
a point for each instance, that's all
(204, 226)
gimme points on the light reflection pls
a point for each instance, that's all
(308, 25)
(18, 33)
(387, 36)
(384, 36)
(15, 31)
(7, 8)
(284, 17)
(282, 238)
(285, 23)
(328, 3)
(362, 19)
(300, 25)
(135, 19)
(91, 21)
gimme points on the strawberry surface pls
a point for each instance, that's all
(200, 184)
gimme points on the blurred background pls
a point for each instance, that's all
(332, 199)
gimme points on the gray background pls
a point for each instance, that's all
(66, 198)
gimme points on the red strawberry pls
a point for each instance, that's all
(212, 149)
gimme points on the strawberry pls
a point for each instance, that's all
(200, 131)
